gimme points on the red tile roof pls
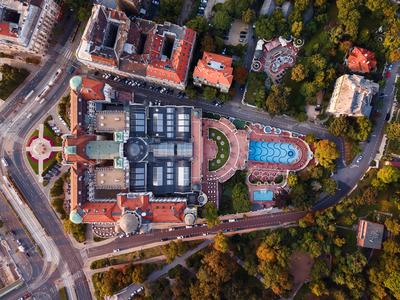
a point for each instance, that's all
(92, 89)
(5, 30)
(361, 60)
(80, 143)
(222, 76)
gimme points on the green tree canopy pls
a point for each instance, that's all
(388, 174)
(198, 24)
(393, 131)
(339, 126)
(221, 20)
(299, 72)
(240, 198)
(326, 153)
(221, 242)
(248, 16)
(209, 93)
(277, 100)
(211, 214)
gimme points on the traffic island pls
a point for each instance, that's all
(41, 150)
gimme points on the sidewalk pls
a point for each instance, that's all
(20, 63)
(180, 260)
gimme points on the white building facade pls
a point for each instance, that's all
(352, 96)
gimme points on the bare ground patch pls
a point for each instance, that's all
(300, 266)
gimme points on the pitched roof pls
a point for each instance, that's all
(92, 89)
(215, 68)
(361, 60)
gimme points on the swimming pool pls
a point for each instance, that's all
(263, 195)
(273, 152)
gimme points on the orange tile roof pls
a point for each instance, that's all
(361, 60)
(101, 212)
(197, 139)
(103, 60)
(74, 187)
(165, 212)
(80, 142)
(5, 30)
(74, 111)
(212, 75)
(176, 68)
(92, 89)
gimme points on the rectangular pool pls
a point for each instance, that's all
(263, 195)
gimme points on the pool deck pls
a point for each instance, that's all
(238, 158)
(257, 134)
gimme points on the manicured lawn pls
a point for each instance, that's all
(48, 132)
(223, 149)
(32, 162)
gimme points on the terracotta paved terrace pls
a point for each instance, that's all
(238, 149)
(300, 161)
(272, 152)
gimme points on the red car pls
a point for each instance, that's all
(388, 74)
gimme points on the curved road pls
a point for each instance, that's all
(16, 112)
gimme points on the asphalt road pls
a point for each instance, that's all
(17, 117)
(37, 200)
(349, 177)
(156, 236)
(30, 266)
(15, 112)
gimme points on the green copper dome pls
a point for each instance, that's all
(75, 83)
(75, 217)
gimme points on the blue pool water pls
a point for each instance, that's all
(263, 195)
(273, 152)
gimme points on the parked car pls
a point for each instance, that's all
(359, 159)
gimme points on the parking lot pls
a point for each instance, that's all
(141, 84)
(238, 33)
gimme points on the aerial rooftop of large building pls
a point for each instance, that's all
(214, 70)
(130, 158)
(17, 18)
(352, 96)
(137, 47)
(25, 24)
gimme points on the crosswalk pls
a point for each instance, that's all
(68, 54)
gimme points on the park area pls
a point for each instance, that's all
(53, 140)
(10, 79)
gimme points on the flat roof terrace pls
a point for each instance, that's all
(110, 178)
(110, 121)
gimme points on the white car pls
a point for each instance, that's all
(116, 250)
(359, 159)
